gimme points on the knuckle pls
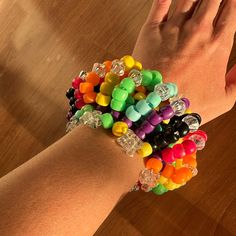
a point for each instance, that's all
(172, 29)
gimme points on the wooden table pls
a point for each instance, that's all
(43, 44)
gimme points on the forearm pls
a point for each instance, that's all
(69, 188)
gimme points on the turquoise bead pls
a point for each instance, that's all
(78, 114)
(147, 77)
(160, 189)
(153, 99)
(117, 105)
(127, 84)
(143, 107)
(107, 120)
(120, 94)
(87, 107)
(132, 114)
(173, 89)
(156, 78)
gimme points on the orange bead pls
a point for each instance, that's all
(86, 87)
(154, 164)
(92, 78)
(141, 89)
(168, 171)
(182, 175)
(190, 160)
(108, 65)
(90, 97)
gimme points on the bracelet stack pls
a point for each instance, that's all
(145, 115)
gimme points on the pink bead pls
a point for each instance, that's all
(79, 103)
(168, 155)
(179, 151)
(78, 94)
(189, 147)
(76, 82)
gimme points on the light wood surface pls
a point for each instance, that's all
(43, 44)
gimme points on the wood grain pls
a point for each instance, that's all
(43, 44)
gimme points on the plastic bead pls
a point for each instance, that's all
(141, 89)
(128, 85)
(156, 78)
(119, 128)
(136, 76)
(72, 100)
(129, 62)
(76, 82)
(190, 160)
(163, 90)
(147, 127)
(148, 177)
(78, 114)
(91, 119)
(178, 150)
(181, 175)
(159, 189)
(139, 96)
(172, 137)
(102, 99)
(178, 107)
(138, 65)
(119, 94)
(168, 155)
(167, 112)
(140, 133)
(107, 120)
(143, 107)
(130, 100)
(198, 139)
(87, 107)
(155, 164)
(115, 114)
(160, 141)
(173, 89)
(112, 78)
(78, 94)
(86, 87)
(192, 122)
(168, 171)
(183, 129)
(189, 146)
(117, 105)
(154, 118)
(132, 114)
(93, 78)
(90, 97)
(79, 103)
(127, 121)
(106, 88)
(162, 179)
(99, 70)
(118, 67)
(70, 93)
(145, 150)
(130, 142)
(107, 65)
(170, 185)
(153, 99)
(147, 77)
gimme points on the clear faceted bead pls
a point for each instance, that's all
(83, 74)
(193, 169)
(146, 188)
(99, 69)
(118, 67)
(198, 140)
(130, 142)
(149, 177)
(192, 122)
(179, 107)
(72, 124)
(163, 91)
(137, 77)
(136, 187)
(91, 119)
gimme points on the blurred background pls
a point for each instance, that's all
(43, 45)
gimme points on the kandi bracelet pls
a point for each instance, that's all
(145, 115)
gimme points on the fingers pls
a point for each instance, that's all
(183, 11)
(207, 11)
(159, 11)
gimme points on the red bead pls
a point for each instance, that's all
(168, 155)
(189, 147)
(79, 103)
(76, 82)
(78, 94)
(178, 150)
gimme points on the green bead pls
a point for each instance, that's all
(130, 100)
(117, 105)
(156, 78)
(87, 107)
(147, 77)
(107, 120)
(120, 94)
(160, 189)
(127, 84)
(78, 114)
(159, 128)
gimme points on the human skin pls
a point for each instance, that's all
(71, 187)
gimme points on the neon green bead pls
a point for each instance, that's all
(160, 189)
(128, 84)
(87, 107)
(117, 105)
(147, 77)
(78, 114)
(130, 100)
(107, 120)
(120, 94)
(156, 78)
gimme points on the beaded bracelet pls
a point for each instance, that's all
(145, 115)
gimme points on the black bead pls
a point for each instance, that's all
(172, 137)
(198, 117)
(70, 93)
(166, 127)
(72, 101)
(73, 109)
(155, 148)
(175, 122)
(183, 129)
(160, 141)
(97, 88)
(103, 109)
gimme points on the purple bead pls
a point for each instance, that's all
(140, 133)
(167, 112)
(101, 108)
(147, 127)
(187, 102)
(154, 118)
(127, 121)
(115, 114)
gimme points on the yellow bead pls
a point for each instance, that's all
(138, 65)
(128, 61)
(139, 96)
(179, 141)
(106, 88)
(188, 111)
(166, 121)
(178, 163)
(145, 150)
(112, 78)
(119, 128)
(103, 100)
(162, 180)
(171, 185)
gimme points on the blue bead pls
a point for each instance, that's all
(143, 107)
(153, 99)
(132, 114)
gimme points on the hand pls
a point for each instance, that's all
(190, 45)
